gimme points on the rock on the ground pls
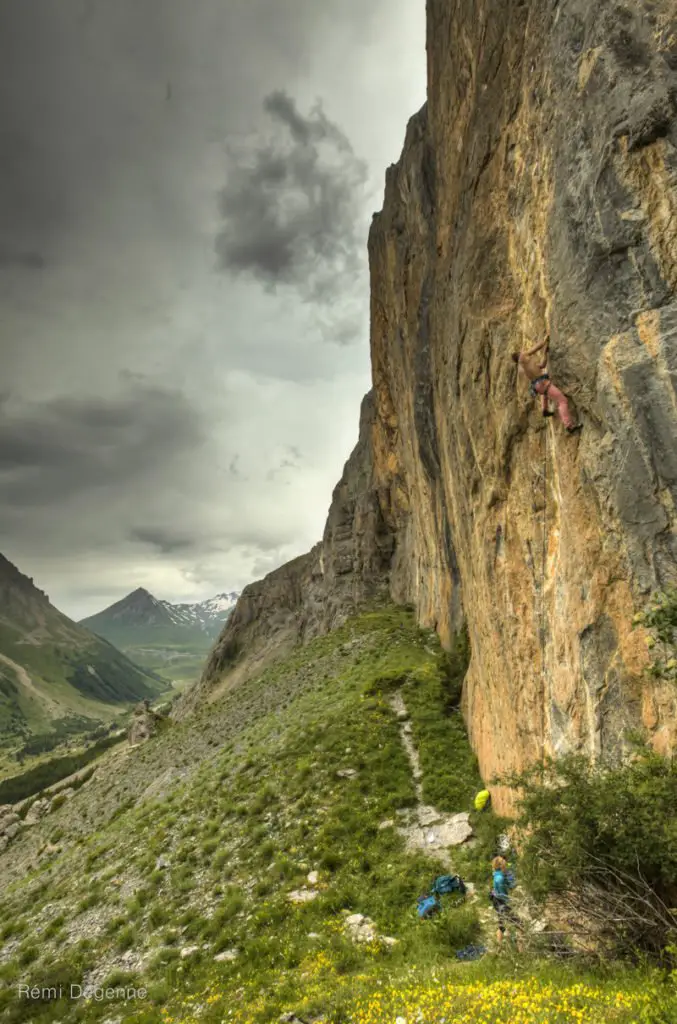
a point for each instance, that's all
(427, 815)
(360, 928)
(302, 895)
(144, 723)
(37, 811)
(346, 773)
(188, 951)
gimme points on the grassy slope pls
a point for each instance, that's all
(259, 806)
(59, 672)
(177, 653)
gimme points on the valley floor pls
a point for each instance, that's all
(216, 872)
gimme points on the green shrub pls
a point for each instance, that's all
(158, 915)
(604, 837)
(457, 926)
(28, 954)
(125, 938)
(54, 926)
(660, 618)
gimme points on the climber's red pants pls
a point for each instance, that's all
(549, 392)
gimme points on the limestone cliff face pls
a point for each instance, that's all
(537, 191)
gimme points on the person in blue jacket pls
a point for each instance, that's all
(503, 881)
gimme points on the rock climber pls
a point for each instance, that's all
(540, 384)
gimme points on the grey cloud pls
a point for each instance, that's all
(25, 260)
(292, 205)
(164, 541)
(72, 445)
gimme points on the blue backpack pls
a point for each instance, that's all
(447, 884)
(427, 906)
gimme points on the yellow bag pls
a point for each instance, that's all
(482, 799)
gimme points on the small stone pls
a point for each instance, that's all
(314, 935)
(302, 895)
(188, 951)
(36, 811)
(388, 823)
(227, 955)
(388, 940)
(313, 877)
(346, 773)
(161, 863)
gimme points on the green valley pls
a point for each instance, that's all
(57, 679)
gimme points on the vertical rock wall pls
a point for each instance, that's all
(537, 191)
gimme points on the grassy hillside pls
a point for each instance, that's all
(57, 679)
(175, 652)
(174, 871)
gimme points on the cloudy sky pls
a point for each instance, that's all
(185, 194)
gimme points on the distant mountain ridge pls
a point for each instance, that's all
(172, 639)
(53, 669)
(140, 612)
(210, 615)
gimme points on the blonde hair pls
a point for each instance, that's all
(499, 864)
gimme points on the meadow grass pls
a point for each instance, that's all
(242, 833)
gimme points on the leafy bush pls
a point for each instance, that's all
(660, 618)
(458, 927)
(603, 837)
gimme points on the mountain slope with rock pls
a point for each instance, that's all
(55, 676)
(536, 193)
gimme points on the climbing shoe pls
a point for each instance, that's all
(548, 413)
(576, 429)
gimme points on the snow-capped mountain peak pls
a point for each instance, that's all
(208, 615)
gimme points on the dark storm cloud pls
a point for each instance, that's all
(164, 541)
(71, 445)
(292, 205)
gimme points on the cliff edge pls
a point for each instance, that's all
(537, 190)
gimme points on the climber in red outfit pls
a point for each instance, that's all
(540, 384)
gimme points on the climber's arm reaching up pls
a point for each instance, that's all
(537, 348)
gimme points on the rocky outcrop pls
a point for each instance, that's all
(144, 723)
(537, 191)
